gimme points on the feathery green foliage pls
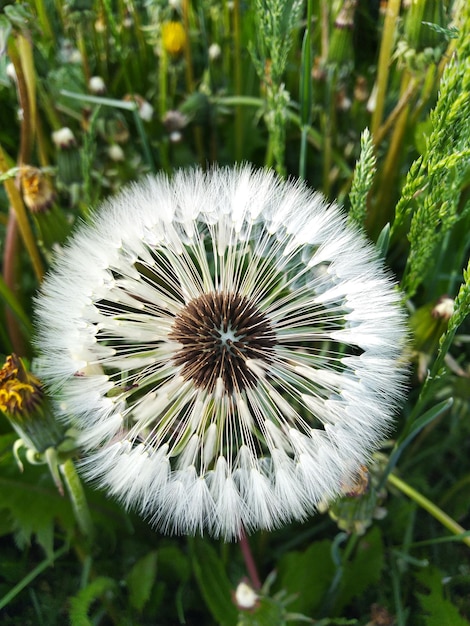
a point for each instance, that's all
(362, 180)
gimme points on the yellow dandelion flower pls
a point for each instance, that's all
(173, 37)
(19, 390)
(26, 406)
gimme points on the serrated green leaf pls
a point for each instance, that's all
(32, 503)
(80, 604)
(363, 570)
(307, 576)
(141, 579)
(438, 609)
(173, 564)
(213, 582)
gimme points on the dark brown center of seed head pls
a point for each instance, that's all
(219, 332)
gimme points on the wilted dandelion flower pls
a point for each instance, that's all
(38, 193)
(228, 350)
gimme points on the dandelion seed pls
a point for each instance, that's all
(228, 350)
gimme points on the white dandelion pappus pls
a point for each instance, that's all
(227, 348)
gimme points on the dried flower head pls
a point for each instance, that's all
(38, 193)
(228, 350)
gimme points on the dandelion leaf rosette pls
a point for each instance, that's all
(226, 347)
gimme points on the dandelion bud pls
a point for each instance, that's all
(69, 169)
(428, 323)
(444, 308)
(96, 85)
(361, 503)
(11, 72)
(245, 597)
(64, 138)
(174, 120)
(100, 25)
(214, 52)
(361, 89)
(340, 49)
(116, 153)
(146, 110)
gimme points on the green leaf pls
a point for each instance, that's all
(363, 570)
(383, 241)
(213, 582)
(173, 564)
(308, 576)
(268, 613)
(410, 433)
(438, 609)
(80, 604)
(32, 503)
(12, 302)
(141, 579)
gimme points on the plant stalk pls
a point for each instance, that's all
(429, 506)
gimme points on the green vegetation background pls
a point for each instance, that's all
(369, 102)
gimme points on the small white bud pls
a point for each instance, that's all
(96, 85)
(63, 138)
(145, 110)
(11, 72)
(115, 152)
(214, 51)
(245, 597)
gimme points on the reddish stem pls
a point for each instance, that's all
(249, 561)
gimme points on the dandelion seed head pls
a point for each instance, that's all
(227, 349)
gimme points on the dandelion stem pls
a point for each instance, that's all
(19, 210)
(238, 81)
(78, 498)
(9, 255)
(429, 506)
(190, 85)
(249, 561)
(7, 598)
(392, 11)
